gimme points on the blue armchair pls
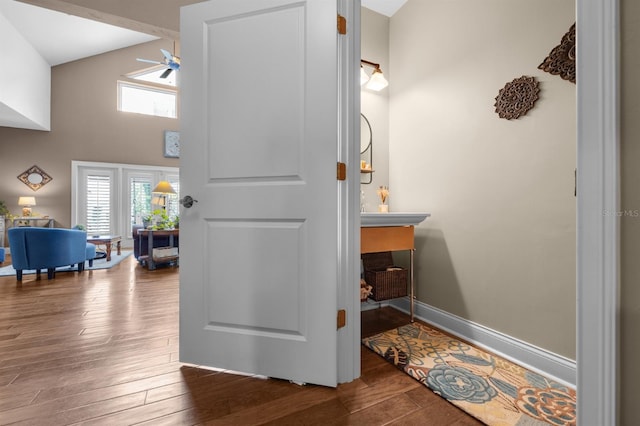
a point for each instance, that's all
(48, 248)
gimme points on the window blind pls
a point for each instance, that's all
(98, 207)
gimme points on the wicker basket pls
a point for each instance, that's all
(387, 284)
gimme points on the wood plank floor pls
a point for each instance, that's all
(101, 348)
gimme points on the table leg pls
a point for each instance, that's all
(119, 248)
(108, 246)
(151, 264)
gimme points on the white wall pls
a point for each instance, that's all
(499, 248)
(25, 82)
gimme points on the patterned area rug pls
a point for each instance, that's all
(97, 264)
(491, 389)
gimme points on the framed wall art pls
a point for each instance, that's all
(171, 144)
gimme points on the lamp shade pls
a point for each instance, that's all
(163, 187)
(377, 81)
(27, 201)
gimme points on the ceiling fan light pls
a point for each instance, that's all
(377, 81)
(363, 76)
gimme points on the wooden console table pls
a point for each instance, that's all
(149, 234)
(381, 232)
(29, 219)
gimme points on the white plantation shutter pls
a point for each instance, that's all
(173, 205)
(98, 204)
(140, 198)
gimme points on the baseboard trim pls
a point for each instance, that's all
(551, 365)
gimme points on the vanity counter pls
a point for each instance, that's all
(381, 232)
(391, 219)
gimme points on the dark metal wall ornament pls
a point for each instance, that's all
(562, 59)
(34, 177)
(517, 97)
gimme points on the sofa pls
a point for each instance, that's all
(48, 248)
(141, 244)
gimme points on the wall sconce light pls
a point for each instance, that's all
(376, 81)
(163, 189)
(26, 203)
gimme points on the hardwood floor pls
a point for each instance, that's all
(101, 348)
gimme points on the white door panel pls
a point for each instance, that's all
(259, 250)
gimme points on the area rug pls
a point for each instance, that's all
(489, 388)
(97, 264)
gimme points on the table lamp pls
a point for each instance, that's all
(26, 203)
(163, 188)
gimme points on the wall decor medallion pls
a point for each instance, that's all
(517, 97)
(34, 177)
(562, 59)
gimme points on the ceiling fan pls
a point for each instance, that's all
(171, 61)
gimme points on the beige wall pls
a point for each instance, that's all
(630, 225)
(85, 125)
(374, 47)
(499, 249)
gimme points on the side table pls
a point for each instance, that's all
(33, 219)
(108, 241)
(149, 258)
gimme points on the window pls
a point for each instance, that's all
(139, 198)
(173, 205)
(109, 198)
(98, 204)
(148, 100)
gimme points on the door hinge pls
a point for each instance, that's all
(342, 171)
(342, 25)
(342, 318)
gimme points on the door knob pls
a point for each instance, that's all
(187, 201)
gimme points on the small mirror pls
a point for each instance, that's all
(365, 134)
(35, 178)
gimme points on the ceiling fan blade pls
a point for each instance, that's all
(148, 60)
(167, 55)
(166, 73)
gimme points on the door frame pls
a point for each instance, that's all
(349, 191)
(598, 235)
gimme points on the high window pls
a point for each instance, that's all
(148, 100)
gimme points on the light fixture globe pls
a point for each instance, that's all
(377, 81)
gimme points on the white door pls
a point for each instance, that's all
(259, 250)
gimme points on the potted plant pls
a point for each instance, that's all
(161, 220)
(146, 220)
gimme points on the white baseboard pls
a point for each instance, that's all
(372, 304)
(553, 366)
